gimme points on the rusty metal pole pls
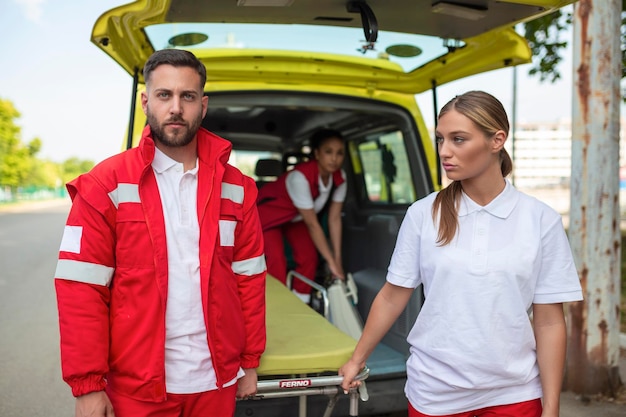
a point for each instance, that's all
(593, 348)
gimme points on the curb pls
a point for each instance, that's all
(29, 205)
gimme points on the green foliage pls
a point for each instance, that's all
(34, 146)
(73, 167)
(8, 130)
(544, 37)
(44, 174)
(19, 165)
(14, 156)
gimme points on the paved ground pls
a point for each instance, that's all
(24, 206)
(576, 406)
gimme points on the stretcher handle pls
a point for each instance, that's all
(300, 384)
(322, 385)
(291, 274)
(296, 393)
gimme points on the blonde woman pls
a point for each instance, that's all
(486, 255)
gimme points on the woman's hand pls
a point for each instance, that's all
(336, 270)
(349, 371)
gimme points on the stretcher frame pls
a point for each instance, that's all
(322, 290)
(303, 386)
(306, 386)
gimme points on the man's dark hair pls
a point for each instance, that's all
(319, 137)
(175, 58)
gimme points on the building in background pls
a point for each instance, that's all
(543, 160)
(542, 155)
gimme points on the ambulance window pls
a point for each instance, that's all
(386, 170)
(246, 161)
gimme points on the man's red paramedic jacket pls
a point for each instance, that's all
(275, 205)
(111, 280)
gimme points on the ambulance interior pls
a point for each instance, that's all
(384, 177)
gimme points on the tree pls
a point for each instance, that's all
(545, 38)
(34, 146)
(44, 174)
(14, 156)
(73, 167)
(19, 164)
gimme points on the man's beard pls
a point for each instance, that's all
(184, 135)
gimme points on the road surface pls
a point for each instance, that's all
(30, 377)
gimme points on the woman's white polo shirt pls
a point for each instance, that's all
(472, 345)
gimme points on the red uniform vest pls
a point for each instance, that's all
(274, 205)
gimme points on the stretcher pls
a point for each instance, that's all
(304, 351)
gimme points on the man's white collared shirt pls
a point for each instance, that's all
(185, 331)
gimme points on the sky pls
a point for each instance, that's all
(76, 99)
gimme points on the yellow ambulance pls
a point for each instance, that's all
(278, 70)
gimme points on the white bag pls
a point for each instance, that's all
(342, 299)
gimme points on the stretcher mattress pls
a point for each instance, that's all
(299, 340)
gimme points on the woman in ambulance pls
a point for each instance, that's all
(289, 208)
